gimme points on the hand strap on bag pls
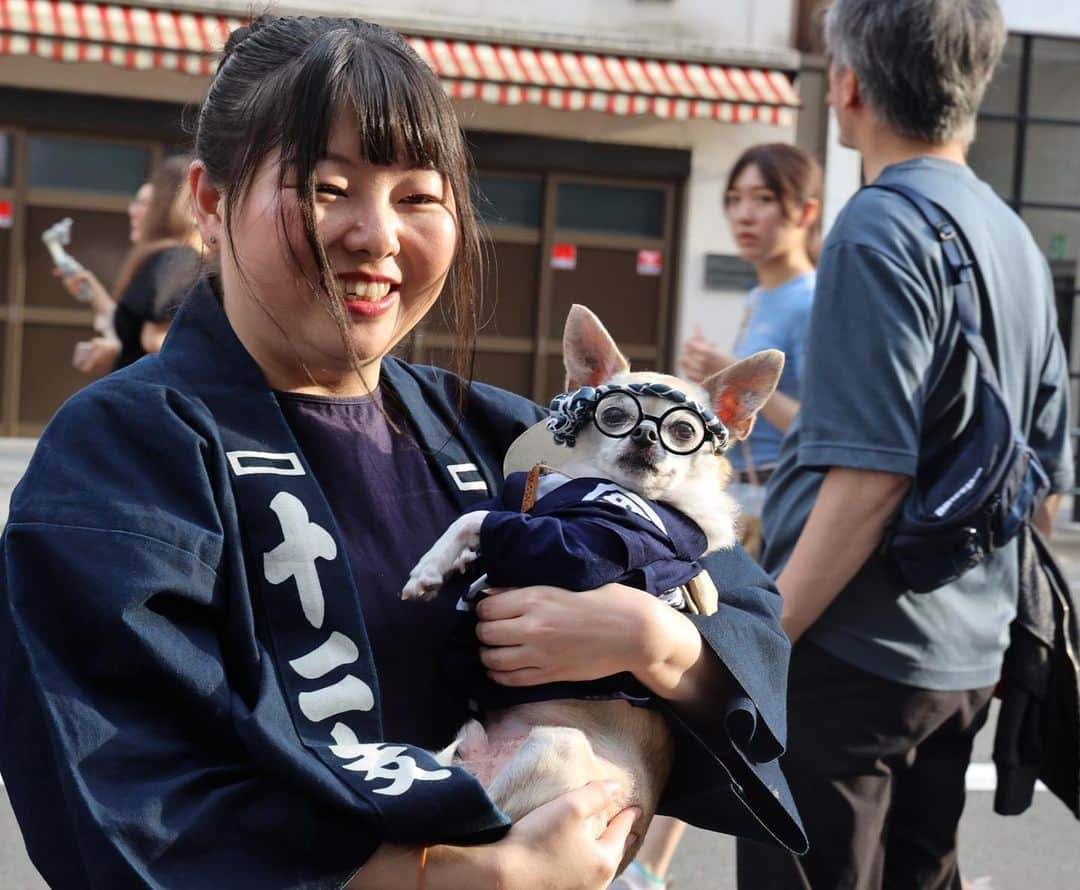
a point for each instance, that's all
(962, 274)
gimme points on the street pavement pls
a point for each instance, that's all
(1039, 850)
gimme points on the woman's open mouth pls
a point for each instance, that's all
(370, 299)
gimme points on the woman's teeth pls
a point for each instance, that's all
(368, 290)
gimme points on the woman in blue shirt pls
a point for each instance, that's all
(773, 205)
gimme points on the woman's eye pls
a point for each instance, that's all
(335, 191)
(421, 198)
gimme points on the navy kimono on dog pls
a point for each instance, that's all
(580, 534)
(584, 533)
(190, 695)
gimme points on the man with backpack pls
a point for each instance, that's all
(889, 687)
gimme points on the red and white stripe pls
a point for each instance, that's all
(142, 39)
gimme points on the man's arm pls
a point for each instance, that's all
(844, 528)
(1046, 513)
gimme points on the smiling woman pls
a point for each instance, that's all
(201, 624)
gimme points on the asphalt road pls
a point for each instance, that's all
(1039, 850)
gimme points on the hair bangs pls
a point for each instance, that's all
(399, 118)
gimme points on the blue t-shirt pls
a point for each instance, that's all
(885, 358)
(390, 509)
(778, 320)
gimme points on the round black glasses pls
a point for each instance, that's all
(681, 429)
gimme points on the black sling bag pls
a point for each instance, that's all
(979, 490)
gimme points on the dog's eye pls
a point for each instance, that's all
(683, 431)
(614, 416)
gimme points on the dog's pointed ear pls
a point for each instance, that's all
(589, 353)
(739, 390)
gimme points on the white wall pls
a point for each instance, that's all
(1057, 17)
(704, 27)
(714, 149)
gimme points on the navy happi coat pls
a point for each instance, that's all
(188, 696)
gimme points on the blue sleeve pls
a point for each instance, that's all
(870, 345)
(145, 753)
(1049, 432)
(726, 775)
(795, 353)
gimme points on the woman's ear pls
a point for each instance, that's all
(811, 212)
(208, 201)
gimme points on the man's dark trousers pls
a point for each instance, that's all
(877, 769)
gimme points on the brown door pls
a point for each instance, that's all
(560, 239)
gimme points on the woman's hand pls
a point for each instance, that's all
(533, 635)
(567, 844)
(96, 357)
(100, 301)
(700, 358)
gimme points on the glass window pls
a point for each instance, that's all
(991, 155)
(83, 166)
(1056, 231)
(1055, 72)
(6, 148)
(1052, 164)
(605, 208)
(1003, 93)
(508, 200)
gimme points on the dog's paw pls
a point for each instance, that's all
(465, 559)
(424, 584)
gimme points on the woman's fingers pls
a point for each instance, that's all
(503, 632)
(504, 604)
(506, 658)
(617, 838)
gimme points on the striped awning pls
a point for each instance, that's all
(142, 38)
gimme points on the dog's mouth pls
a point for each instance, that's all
(638, 462)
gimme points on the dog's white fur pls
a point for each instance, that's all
(530, 754)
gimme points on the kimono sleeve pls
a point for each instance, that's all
(726, 775)
(128, 673)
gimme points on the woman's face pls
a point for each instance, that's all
(761, 228)
(390, 236)
(137, 210)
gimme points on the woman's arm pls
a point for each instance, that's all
(535, 635)
(152, 335)
(100, 300)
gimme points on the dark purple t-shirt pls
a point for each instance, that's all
(390, 508)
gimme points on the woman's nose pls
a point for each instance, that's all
(373, 231)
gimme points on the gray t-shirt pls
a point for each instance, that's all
(883, 333)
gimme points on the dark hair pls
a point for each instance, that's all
(922, 65)
(791, 174)
(169, 219)
(278, 87)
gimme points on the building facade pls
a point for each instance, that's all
(602, 131)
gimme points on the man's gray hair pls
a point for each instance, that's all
(922, 65)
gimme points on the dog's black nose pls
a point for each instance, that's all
(645, 435)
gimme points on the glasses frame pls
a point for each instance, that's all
(706, 433)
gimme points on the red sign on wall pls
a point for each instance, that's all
(5, 214)
(563, 256)
(650, 262)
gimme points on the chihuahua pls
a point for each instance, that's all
(637, 497)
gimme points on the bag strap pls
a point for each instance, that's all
(962, 274)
